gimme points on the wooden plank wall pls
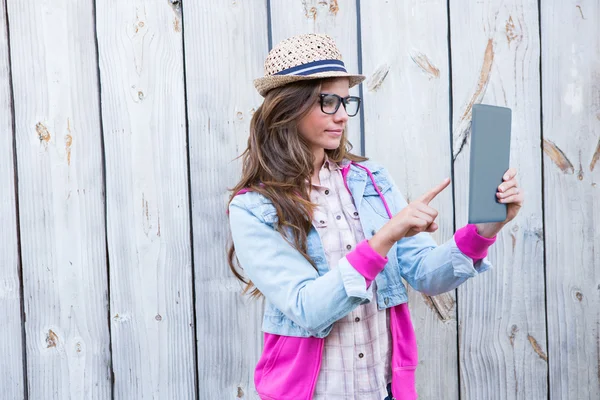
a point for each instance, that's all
(145, 154)
(571, 142)
(11, 344)
(61, 199)
(122, 123)
(225, 47)
(502, 336)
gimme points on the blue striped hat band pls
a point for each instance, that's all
(314, 68)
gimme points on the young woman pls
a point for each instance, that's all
(326, 237)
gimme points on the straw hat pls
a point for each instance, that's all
(300, 58)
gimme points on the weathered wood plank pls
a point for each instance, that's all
(336, 19)
(225, 46)
(143, 115)
(571, 143)
(11, 346)
(405, 58)
(495, 60)
(61, 205)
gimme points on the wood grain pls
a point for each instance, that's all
(61, 199)
(11, 346)
(226, 44)
(143, 115)
(495, 60)
(405, 56)
(571, 102)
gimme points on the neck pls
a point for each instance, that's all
(319, 155)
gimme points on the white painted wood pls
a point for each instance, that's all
(571, 105)
(61, 207)
(11, 347)
(143, 115)
(226, 44)
(331, 17)
(495, 60)
(405, 58)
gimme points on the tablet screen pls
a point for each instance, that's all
(490, 157)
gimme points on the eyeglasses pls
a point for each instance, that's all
(330, 104)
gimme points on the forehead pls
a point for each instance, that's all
(339, 86)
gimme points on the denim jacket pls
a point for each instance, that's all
(304, 302)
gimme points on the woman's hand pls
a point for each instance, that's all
(415, 218)
(510, 194)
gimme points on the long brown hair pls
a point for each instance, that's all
(278, 163)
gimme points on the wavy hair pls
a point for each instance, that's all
(278, 163)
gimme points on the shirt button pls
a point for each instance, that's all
(338, 217)
(327, 191)
(373, 232)
(322, 222)
(356, 319)
(349, 246)
(379, 188)
(360, 355)
(355, 213)
(386, 301)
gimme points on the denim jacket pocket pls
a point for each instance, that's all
(374, 200)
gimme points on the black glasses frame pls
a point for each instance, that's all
(341, 100)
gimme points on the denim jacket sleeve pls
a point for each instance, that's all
(430, 268)
(289, 281)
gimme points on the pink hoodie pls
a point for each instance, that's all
(293, 363)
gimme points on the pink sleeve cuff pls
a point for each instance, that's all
(366, 261)
(471, 243)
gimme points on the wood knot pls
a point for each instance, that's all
(513, 333)
(377, 78)
(51, 339)
(537, 348)
(577, 294)
(512, 31)
(42, 131)
(558, 157)
(425, 64)
(311, 13)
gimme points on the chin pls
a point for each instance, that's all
(332, 145)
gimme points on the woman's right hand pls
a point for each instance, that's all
(415, 218)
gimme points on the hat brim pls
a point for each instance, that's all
(263, 85)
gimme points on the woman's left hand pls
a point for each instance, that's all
(510, 194)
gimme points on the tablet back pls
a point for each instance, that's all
(490, 157)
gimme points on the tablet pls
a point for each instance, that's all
(490, 157)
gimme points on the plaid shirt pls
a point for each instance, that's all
(356, 362)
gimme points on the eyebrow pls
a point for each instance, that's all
(343, 97)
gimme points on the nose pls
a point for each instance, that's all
(341, 115)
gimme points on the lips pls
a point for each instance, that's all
(335, 132)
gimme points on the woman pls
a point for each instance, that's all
(326, 237)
